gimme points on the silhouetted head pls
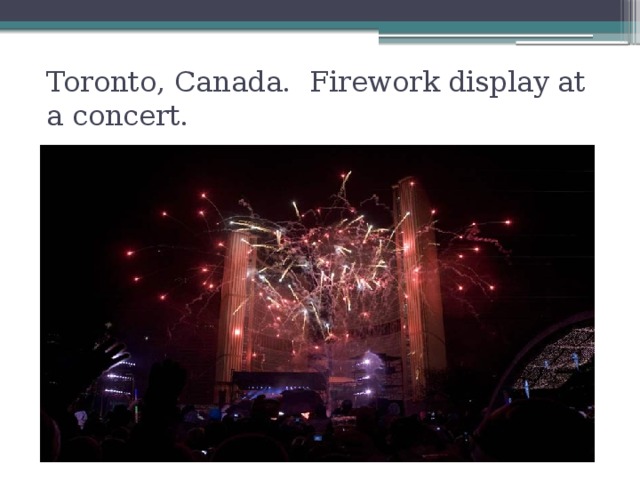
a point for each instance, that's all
(320, 411)
(81, 449)
(114, 450)
(196, 439)
(49, 439)
(250, 447)
(534, 430)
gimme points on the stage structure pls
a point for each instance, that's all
(320, 296)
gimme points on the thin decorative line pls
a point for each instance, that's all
(479, 35)
(551, 42)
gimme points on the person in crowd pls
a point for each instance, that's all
(534, 430)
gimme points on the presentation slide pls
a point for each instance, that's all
(347, 235)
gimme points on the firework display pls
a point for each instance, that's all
(318, 291)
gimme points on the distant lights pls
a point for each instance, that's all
(203, 195)
(136, 279)
(162, 296)
(492, 287)
(130, 253)
(164, 213)
(460, 288)
(113, 376)
(117, 392)
(368, 391)
(201, 213)
(507, 222)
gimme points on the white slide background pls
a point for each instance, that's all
(606, 115)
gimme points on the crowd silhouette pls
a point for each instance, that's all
(165, 431)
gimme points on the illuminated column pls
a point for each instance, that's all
(250, 309)
(420, 290)
(234, 307)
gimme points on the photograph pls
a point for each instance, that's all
(300, 303)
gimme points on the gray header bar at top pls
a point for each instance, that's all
(310, 10)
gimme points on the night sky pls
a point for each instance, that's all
(100, 201)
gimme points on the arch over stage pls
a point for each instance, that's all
(551, 358)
